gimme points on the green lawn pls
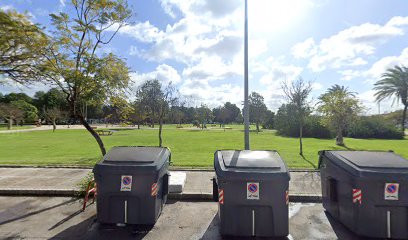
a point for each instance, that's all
(189, 147)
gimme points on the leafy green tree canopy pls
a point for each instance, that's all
(257, 109)
(22, 46)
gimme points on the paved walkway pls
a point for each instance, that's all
(60, 218)
(65, 180)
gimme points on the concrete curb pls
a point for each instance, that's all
(186, 196)
(40, 192)
(171, 168)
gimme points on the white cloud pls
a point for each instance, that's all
(212, 68)
(62, 3)
(10, 87)
(317, 86)
(143, 31)
(367, 99)
(374, 73)
(274, 72)
(203, 28)
(7, 7)
(379, 67)
(164, 73)
(304, 49)
(213, 8)
(349, 74)
(200, 91)
(350, 46)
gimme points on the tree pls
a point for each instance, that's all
(16, 97)
(22, 47)
(157, 101)
(70, 59)
(227, 114)
(148, 96)
(339, 107)
(177, 115)
(137, 114)
(73, 63)
(53, 115)
(297, 93)
(257, 109)
(285, 122)
(10, 112)
(394, 83)
(269, 120)
(204, 115)
(170, 99)
(53, 98)
(30, 112)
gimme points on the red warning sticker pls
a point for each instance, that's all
(357, 196)
(221, 196)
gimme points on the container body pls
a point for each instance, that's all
(132, 192)
(253, 200)
(362, 197)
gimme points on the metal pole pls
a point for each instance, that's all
(246, 107)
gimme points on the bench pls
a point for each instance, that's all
(104, 132)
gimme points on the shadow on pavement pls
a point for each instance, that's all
(213, 233)
(91, 229)
(34, 212)
(66, 219)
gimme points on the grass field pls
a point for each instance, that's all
(189, 147)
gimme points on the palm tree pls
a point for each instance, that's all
(341, 89)
(339, 107)
(394, 83)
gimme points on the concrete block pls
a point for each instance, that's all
(177, 181)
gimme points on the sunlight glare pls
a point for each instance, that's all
(269, 16)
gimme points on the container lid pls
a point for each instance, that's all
(135, 155)
(371, 159)
(251, 159)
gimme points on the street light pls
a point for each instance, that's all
(246, 107)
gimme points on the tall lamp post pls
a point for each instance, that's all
(246, 107)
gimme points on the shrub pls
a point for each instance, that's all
(287, 124)
(374, 127)
(314, 128)
(83, 184)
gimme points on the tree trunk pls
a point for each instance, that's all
(54, 125)
(10, 124)
(93, 133)
(160, 132)
(300, 140)
(339, 137)
(257, 127)
(152, 120)
(404, 116)
(138, 125)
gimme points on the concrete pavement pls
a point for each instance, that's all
(304, 185)
(59, 218)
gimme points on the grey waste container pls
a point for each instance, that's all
(132, 184)
(252, 191)
(366, 191)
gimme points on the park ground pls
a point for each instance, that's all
(191, 147)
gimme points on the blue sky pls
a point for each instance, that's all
(198, 45)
